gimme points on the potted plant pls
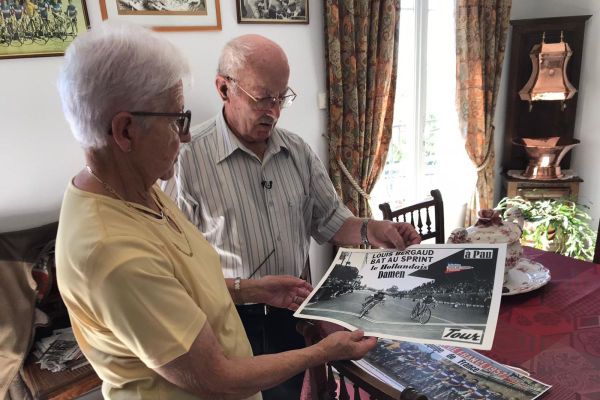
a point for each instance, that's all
(558, 225)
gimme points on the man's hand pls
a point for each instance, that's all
(283, 291)
(392, 235)
(344, 345)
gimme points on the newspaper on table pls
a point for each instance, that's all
(59, 351)
(428, 293)
(448, 372)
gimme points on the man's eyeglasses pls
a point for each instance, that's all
(182, 122)
(267, 103)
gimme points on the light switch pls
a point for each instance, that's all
(322, 100)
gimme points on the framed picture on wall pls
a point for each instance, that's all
(32, 28)
(272, 11)
(166, 15)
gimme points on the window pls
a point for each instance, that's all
(426, 151)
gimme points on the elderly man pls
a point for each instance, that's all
(145, 291)
(259, 193)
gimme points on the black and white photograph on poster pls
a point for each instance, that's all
(435, 293)
(448, 372)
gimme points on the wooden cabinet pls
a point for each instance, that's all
(546, 118)
(536, 190)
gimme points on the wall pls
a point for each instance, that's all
(585, 156)
(38, 154)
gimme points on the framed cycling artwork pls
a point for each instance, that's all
(166, 15)
(272, 11)
(38, 28)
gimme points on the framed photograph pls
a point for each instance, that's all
(166, 15)
(40, 28)
(272, 11)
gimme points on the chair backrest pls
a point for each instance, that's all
(597, 249)
(419, 216)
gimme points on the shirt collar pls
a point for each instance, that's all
(228, 143)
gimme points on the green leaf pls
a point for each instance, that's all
(573, 235)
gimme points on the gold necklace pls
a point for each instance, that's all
(160, 206)
(114, 193)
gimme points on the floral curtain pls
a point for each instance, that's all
(361, 45)
(481, 28)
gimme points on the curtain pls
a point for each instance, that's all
(481, 29)
(361, 55)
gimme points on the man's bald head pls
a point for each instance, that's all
(253, 52)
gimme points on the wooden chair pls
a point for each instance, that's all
(325, 386)
(419, 216)
(597, 249)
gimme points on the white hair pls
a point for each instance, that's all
(235, 55)
(115, 67)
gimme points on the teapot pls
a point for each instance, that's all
(490, 228)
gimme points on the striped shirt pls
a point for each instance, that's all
(252, 210)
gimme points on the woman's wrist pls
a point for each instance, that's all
(246, 291)
(237, 291)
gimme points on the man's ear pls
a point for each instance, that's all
(221, 84)
(120, 129)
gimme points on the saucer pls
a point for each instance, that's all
(528, 275)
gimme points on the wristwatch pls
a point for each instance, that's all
(237, 290)
(364, 239)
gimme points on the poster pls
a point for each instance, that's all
(435, 293)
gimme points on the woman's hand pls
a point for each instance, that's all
(344, 345)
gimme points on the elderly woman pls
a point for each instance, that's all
(145, 292)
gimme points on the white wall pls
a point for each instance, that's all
(38, 154)
(584, 157)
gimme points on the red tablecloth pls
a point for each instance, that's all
(554, 332)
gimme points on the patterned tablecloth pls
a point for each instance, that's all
(554, 332)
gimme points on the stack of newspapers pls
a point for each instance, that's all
(59, 352)
(448, 372)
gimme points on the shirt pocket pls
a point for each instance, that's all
(301, 212)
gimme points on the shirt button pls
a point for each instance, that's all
(279, 238)
(271, 203)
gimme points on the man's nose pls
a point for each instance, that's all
(274, 110)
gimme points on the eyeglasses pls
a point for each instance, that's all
(182, 122)
(267, 103)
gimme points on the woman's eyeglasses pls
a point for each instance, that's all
(182, 122)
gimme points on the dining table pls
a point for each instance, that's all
(552, 333)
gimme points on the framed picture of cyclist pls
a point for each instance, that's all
(38, 28)
(272, 11)
(165, 15)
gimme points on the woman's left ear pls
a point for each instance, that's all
(120, 128)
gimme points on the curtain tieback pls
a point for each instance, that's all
(353, 182)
